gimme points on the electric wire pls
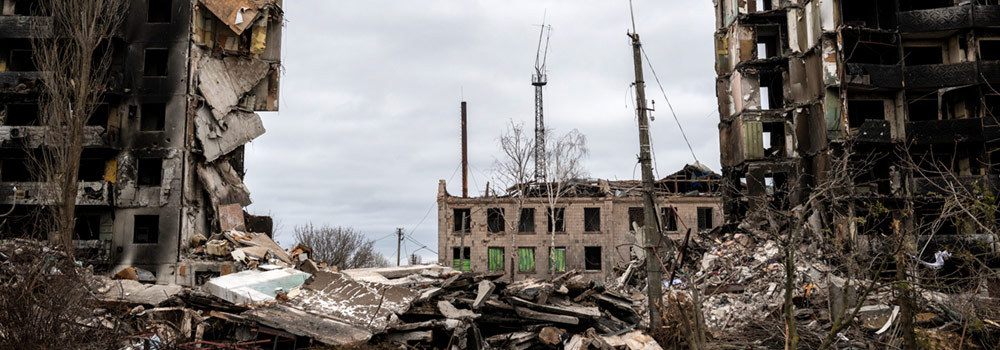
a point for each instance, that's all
(669, 105)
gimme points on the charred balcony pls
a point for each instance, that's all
(944, 19)
(947, 131)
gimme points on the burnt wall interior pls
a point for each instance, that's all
(889, 81)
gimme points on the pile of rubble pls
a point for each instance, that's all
(283, 300)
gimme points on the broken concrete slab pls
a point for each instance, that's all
(257, 246)
(301, 323)
(450, 311)
(366, 305)
(223, 184)
(568, 310)
(231, 217)
(485, 290)
(541, 316)
(253, 287)
(386, 275)
(224, 82)
(133, 292)
(220, 136)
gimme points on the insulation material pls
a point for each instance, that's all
(830, 76)
(111, 171)
(224, 82)
(237, 14)
(746, 43)
(258, 38)
(721, 54)
(218, 137)
(223, 184)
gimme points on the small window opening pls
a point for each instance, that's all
(558, 220)
(153, 117)
(771, 95)
(669, 219)
(463, 220)
(100, 116)
(923, 55)
(150, 171)
(592, 258)
(636, 218)
(773, 139)
(989, 50)
(91, 169)
(767, 42)
(87, 227)
(21, 115)
(461, 262)
(923, 110)
(592, 219)
(158, 11)
(858, 111)
(16, 170)
(155, 64)
(705, 221)
(21, 60)
(146, 229)
(495, 220)
(526, 223)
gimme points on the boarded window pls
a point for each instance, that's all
(496, 258)
(463, 220)
(495, 220)
(636, 217)
(461, 258)
(526, 223)
(592, 258)
(557, 259)
(557, 220)
(669, 219)
(146, 229)
(591, 219)
(705, 218)
(526, 259)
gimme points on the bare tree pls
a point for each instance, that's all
(340, 246)
(76, 62)
(563, 164)
(514, 171)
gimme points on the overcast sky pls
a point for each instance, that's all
(370, 95)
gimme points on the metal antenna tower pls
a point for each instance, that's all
(538, 80)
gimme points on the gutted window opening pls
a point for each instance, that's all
(21, 115)
(705, 221)
(461, 258)
(923, 109)
(526, 223)
(923, 55)
(155, 64)
(591, 219)
(871, 48)
(16, 170)
(989, 50)
(636, 218)
(911, 5)
(774, 139)
(158, 11)
(771, 93)
(768, 43)
(150, 172)
(869, 13)
(21, 60)
(558, 220)
(592, 258)
(526, 259)
(87, 227)
(669, 219)
(557, 259)
(100, 116)
(463, 220)
(154, 116)
(496, 259)
(495, 220)
(146, 229)
(858, 111)
(91, 168)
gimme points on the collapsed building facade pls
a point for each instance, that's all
(893, 83)
(163, 160)
(595, 225)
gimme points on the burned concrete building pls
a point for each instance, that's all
(890, 83)
(595, 223)
(163, 160)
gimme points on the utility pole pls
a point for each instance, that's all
(399, 242)
(651, 229)
(465, 156)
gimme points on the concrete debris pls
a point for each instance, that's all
(223, 184)
(220, 136)
(223, 82)
(254, 287)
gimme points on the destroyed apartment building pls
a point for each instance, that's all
(889, 83)
(595, 225)
(162, 164)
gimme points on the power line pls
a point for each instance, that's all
(664, 92)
